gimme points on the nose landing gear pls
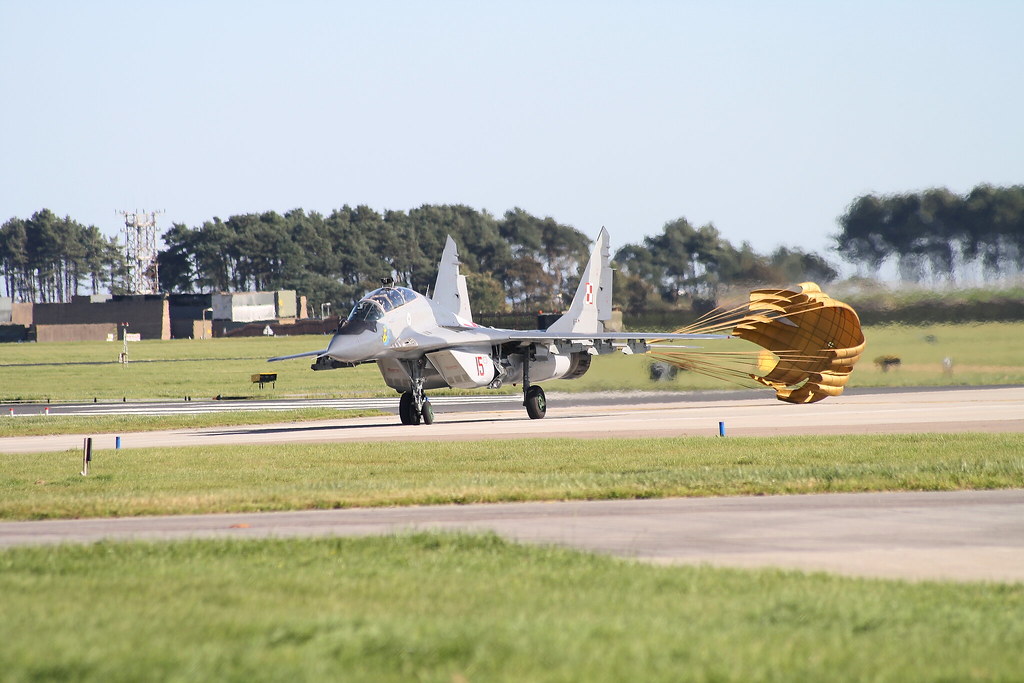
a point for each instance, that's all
(414, 405)
(410, 415)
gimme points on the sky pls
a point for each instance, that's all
(766, 119)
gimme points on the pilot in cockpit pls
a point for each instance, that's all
(373, 306)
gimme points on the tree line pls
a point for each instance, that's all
(686, 262)
(45, 258)
(514, 262)
(936, 235)
(517, 261)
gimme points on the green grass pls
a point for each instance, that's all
(984, 353)
(198, 368)
(36, 425)
(438, 607)
(150, 481)
(987, 353)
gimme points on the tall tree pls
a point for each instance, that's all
(45, 258)
(14, 258)
(177, 263)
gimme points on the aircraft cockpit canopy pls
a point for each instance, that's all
(374, 305)
(389, 298)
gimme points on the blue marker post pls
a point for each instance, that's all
(117, 442)
(721, 429)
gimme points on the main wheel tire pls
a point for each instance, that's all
(406, 408)
(428, 412)
(536, 403)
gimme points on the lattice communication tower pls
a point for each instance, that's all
(140, 251)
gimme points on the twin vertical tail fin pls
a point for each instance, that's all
(450, 292)
(592, 305)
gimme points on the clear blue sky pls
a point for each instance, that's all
(764, 118)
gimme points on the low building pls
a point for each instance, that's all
(94, 318)
(156, 316)
(15, 321)
(233, 310)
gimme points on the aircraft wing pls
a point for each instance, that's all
(607, 336)
(476, 335)
(488, 335)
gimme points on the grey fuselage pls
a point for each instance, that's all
(397, 328)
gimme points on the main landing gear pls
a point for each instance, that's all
(536, 404)
(533, 396)
(414, 405)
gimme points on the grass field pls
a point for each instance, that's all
(35, 425)
(458, 608)
(988, 353)
(198, 368)
(461, 608)
(305, 476)
(984, 353)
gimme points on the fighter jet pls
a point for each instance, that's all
(421, 343)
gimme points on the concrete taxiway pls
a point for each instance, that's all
(961, 535)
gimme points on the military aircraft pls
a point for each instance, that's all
(422, 343)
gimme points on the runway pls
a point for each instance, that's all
(181, 407)
(962, 535)
(970, 535)
(953, 410)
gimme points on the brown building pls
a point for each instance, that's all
(157, 316)
(94, 318)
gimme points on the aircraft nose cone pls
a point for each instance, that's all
(351, 348)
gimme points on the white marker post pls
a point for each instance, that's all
(86, 456)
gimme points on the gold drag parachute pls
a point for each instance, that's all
(810, 343)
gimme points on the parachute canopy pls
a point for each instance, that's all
(810, 343)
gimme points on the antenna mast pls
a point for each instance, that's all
(140, 251)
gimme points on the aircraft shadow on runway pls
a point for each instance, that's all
(344, 427)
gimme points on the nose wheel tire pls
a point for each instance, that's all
(536, 404)
(409, 415)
